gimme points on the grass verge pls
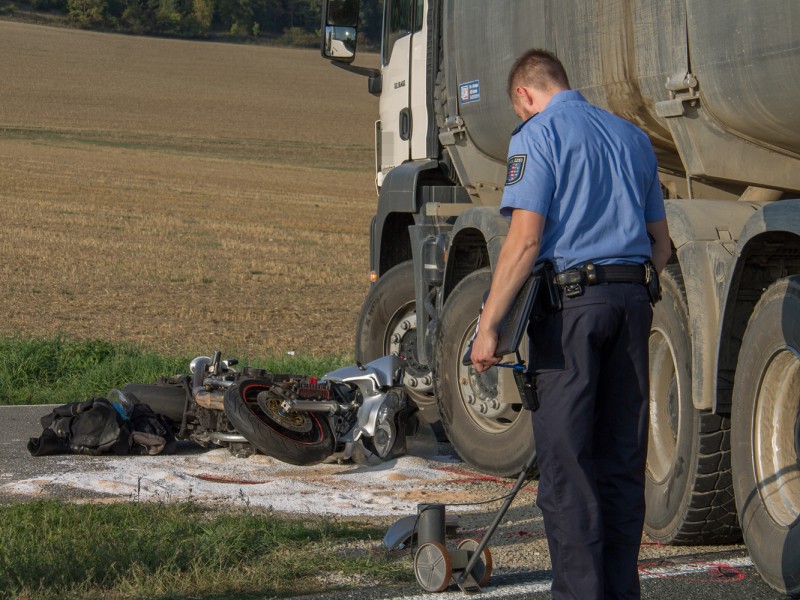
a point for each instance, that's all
(131, 550)
(60, 370)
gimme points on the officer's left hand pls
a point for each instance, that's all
(483, 348)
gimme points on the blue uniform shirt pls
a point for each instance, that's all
(592, 175)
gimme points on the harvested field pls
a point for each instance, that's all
(182, 195)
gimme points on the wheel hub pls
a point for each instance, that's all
(483, 387)
(272, 407)
(403, 342)
(664, 406)
(776, 435)
(480, 396)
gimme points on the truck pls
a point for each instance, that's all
(715, 84)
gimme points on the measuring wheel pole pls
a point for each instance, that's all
(523, 476)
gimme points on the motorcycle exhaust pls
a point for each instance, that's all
(209, 400)
(229, 437)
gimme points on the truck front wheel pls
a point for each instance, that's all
(495, 437)
(388, 325)
(766, 436)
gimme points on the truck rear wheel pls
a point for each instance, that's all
(766, 436)
(689, 491)
(493, 437)
(387, 325)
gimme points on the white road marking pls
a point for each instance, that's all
(659, 572)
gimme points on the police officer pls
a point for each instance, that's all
(583, 194)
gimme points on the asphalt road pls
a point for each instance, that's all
(666, 572)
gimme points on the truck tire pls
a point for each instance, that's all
(766, 436)
(387, 325)
(689, 488)
(494, 438)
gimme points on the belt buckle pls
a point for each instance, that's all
(572, 290)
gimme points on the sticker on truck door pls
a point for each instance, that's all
(470, 91)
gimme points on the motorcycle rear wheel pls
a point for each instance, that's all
(308, 444)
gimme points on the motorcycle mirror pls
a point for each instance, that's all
(215, 361)
(193, 365)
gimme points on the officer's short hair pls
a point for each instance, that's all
(539, 69)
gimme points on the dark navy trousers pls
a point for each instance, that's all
(591, 365)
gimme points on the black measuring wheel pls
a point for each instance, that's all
(433, 567)
(482, 570)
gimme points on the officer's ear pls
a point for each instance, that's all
(524, 102)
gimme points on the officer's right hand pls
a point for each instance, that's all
(483, 348)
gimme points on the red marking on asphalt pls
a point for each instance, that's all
(221, 479)
(464, 534)
(475, 478)
(722, 571)
(713, 571)
(530, 535)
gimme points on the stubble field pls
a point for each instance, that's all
(182, 195)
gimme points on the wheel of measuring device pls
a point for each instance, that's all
(482, 570)
(433, 567)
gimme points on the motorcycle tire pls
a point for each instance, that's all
(305, 439)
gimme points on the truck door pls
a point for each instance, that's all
(403, 109)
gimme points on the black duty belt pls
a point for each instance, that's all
(573, 280)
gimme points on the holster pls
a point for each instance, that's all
(552, 293)
(526, 385)
(652, 282)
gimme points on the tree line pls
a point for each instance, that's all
(292, 22)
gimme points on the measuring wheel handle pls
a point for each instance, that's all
(433, 567)
(482, 570)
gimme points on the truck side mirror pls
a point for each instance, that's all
(340, 43)
(339, 29)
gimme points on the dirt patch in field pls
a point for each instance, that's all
(182, 195)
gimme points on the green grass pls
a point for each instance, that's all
(131, 550)
(57, 371)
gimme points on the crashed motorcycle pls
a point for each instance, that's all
(193, 403)
(358, 412)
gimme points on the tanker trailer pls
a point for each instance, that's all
(715, 84)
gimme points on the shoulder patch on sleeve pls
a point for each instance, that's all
(515, 168)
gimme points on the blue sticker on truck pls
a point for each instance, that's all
(470, 91)
(516, 167)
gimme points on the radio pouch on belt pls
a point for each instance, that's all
(526, 385)
(652, 282)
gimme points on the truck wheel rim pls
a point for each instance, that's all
(478, 393)
(401, 340)
(775, 436)
(664, 416)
